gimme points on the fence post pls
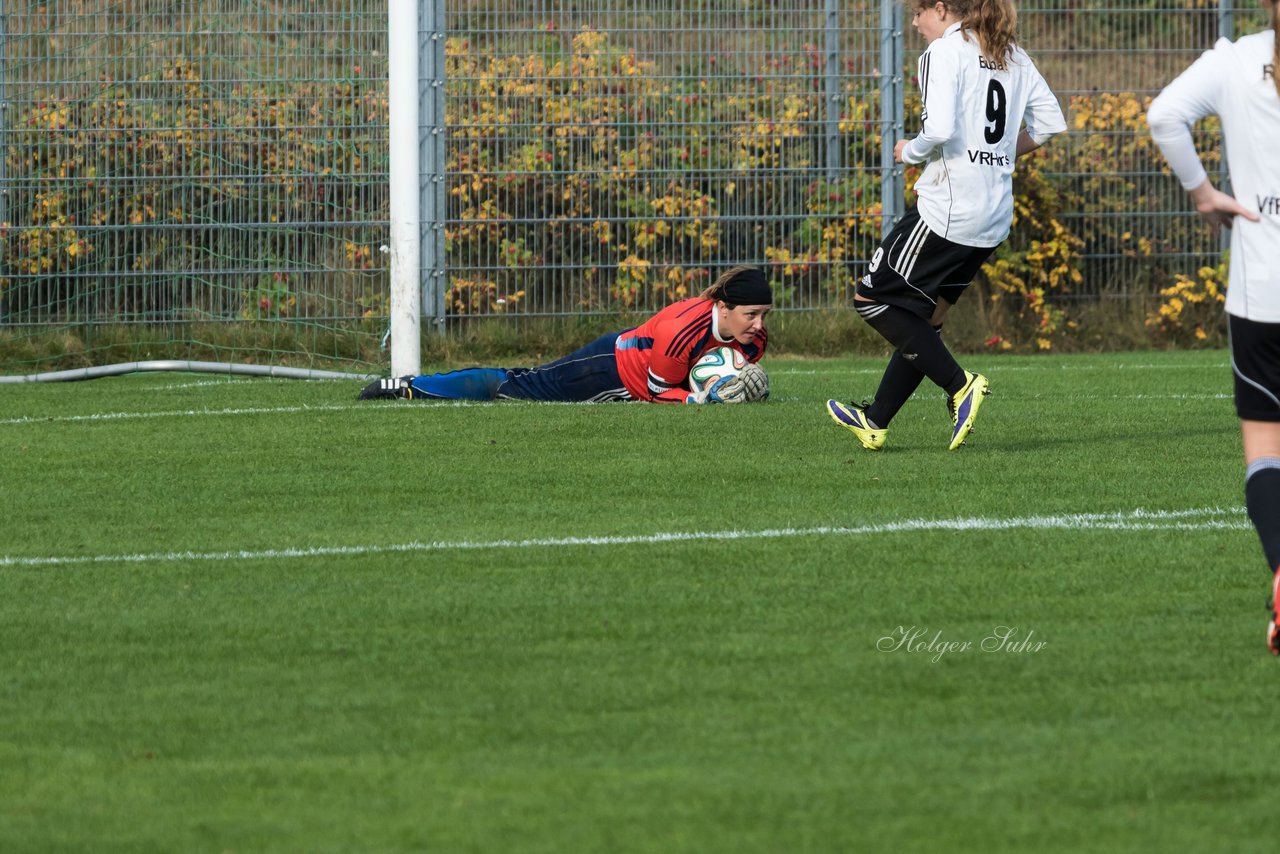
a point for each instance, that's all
(434, 189)
(4, 117)
(892, 187)
(835, 151)
(1226, 19)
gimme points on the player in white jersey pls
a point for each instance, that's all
(977, 88)
(1236, 81)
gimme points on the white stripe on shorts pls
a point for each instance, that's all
(918, 236)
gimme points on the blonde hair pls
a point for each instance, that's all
(716, 289)
(1275, 51)
(994, 22)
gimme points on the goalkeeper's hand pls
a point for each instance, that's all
(724, 390)
(751, 385)
(727, 390)
(756, 382)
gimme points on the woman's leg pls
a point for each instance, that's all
(912, 282)
(916, 342)
(1255, 363)
(467, 384)
(1262, 500)
(901, 378)
(587, 375)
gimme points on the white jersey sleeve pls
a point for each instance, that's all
(1185, 101)
(1044, 119)
(939, 66)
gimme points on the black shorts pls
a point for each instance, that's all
(914, 268)
(1255, 362)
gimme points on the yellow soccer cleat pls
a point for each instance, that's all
(964, 407)
(853, 419)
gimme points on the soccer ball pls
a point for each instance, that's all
(720, 362)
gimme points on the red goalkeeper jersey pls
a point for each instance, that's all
(654, 359)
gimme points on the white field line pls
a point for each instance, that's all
(198, 384)
(225, 381)
(178, 413)
(1198, 519)
(462, 404)
(996, 371)
(777, 371)
(398, 406)
(1039, 396)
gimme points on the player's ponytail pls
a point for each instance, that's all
(994, 22)
(741, 286)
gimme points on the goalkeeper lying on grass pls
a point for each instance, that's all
(651, 362)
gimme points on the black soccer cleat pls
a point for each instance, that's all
(391, 388)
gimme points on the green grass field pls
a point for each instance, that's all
(248, 615)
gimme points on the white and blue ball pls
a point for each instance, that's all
(715, 365)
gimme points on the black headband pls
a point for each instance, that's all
(749, 287)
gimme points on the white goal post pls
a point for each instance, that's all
(406, 220)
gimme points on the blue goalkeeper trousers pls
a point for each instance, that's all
(587, 375)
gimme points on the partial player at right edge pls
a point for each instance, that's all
(1236, 81)
(977, 87)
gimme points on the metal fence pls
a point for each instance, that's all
(189, 162)
(607, 155)
(618, 154)
(174, 164)
(1106, 61)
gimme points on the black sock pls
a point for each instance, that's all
(900, 381)
(1262, 499)
(916, 341)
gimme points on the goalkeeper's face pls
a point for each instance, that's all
(742, 322)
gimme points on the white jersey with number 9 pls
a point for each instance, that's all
(973, 110)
